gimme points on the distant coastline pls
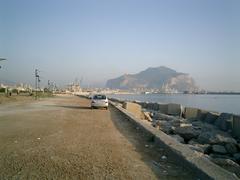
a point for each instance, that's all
(224, 93)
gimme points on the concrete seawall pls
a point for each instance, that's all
(204, 168)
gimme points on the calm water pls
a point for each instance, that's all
(219, 103)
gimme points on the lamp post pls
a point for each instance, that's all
(6, 90)
(2, 59)
(37, 81)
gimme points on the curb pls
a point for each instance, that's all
(202, 166)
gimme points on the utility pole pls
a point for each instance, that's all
(37, 81)
(48, 85)
(6, 89)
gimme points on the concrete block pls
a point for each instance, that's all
(202, 114)
(155, 106)
(224, 121)
(175, 109)
(133, 108)
(236, 126)
(150, 106)
(144, 104)
(211, 117)
(163, 108)
(191, 112)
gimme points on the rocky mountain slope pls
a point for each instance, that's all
(155, 78)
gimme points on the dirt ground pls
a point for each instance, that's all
(14, 98)
(62, 138)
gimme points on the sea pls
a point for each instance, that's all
(217, 103)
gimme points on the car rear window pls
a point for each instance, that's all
(99, 97)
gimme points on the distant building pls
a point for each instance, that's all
(74, 87)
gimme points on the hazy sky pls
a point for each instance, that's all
(103, 39)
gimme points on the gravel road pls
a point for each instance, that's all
(62, 138)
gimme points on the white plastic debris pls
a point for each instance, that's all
(164, 157)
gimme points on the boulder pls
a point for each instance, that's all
(221, 156)
(133, 108)
(224, 121)
(237, 157)
(175, 109)
(224, 139)
(208, 149)
(211, 117)
(231, 148)
(176, 123)
(160, 116)
(198, 147)
(191, 113)
(219, 149)
(197, 124)
(187, 132)
(215, 137)
(164, 126)
(192, 142)
(178, 138)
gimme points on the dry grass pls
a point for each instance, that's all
(14, 98)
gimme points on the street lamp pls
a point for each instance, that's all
(37, 81)
(2, 59)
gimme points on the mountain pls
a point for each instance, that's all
(161, 77)
(8, 82)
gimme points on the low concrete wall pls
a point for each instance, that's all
(203, 167)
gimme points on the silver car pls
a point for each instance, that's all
(99, 101)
